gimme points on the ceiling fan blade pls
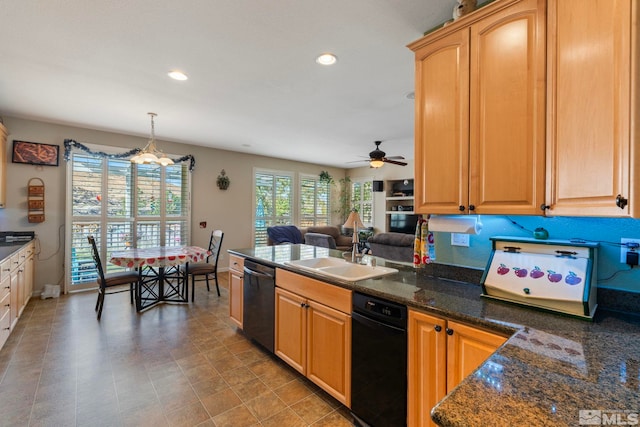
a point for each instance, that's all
(358, 161)
(393, 162)
(395, 157)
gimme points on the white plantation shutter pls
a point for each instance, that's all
(273, 202)
(124, 206)
(362, 200)
(314, 201)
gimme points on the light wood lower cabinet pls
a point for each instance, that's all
(441, 354)
(313, 331)
(236, 281)
(16, 287)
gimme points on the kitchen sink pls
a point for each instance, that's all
(315, 263)
(341, 269)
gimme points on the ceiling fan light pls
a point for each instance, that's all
(376, 163)
(326, 59)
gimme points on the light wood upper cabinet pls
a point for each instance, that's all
(3, 165)
(593, 105)
(441, 354)
(236, 289)
(480, 113)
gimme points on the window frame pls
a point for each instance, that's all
(104, 220)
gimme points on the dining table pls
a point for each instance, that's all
(161, 277)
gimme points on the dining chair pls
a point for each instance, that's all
(208, 269)
(106, 281)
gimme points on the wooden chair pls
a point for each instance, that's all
(207, 269)
(106, 281)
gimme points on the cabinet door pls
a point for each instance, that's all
(442, 125)
(14, 300)
(290, 329)
(236, 292)
(329, 350)
(427, 372)
(467, 348)
(590, 83)
(22, 290)
(507, 110)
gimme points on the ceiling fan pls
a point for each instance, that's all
(377, 158)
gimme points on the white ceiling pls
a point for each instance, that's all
(253, 82)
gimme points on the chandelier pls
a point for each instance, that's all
(150, 154)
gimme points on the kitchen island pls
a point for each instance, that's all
(553, 370)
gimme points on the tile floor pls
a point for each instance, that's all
(177, 365)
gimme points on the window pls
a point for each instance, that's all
(273, 202)
(145, 205)
(362, 200)
(276, 202)
(314, 201)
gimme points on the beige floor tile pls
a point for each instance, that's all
(293, 392)
(216, 404)
(183, 365)
(312, 409)
(239, 416)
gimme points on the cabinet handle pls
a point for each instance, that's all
(449, 331)
(7, 305)
(7, 269)
(472, 207)
(544, 207)
(621, 202)
(461, 208)
(6, 329)
(438, 328)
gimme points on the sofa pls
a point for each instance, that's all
(392, 246)
(342, 242)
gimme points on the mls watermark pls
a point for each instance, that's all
(597, 417)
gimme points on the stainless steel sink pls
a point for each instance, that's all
(341, 269)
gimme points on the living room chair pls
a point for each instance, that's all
(107, 281)
(208, 269)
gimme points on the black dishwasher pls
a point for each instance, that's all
(259, 303)
(378, 362)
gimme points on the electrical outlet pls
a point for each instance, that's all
(624, 249)
(459, 239)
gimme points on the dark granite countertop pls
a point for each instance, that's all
(9, 248)
(551, 368)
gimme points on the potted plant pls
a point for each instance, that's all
(325, 177)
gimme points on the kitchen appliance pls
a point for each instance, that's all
(378, 362)
(555, 275)
(259, 303)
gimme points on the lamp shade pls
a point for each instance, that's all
(353, 221)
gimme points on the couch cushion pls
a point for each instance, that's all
(392, 246)
(319, 239)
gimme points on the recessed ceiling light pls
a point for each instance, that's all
(178, 75)
(326, 59)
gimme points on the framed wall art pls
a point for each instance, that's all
(34, 153)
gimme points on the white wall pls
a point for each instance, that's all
(228, 210)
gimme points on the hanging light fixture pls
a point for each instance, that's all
(150, 154)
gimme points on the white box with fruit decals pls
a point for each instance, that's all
(548, 274)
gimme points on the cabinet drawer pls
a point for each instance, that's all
(5, 268)
(324, 293)
(15, 261)
(236, 263)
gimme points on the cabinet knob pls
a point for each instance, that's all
(449, 331)
(621, 202)
(472, 207)
(461, 208)
(544, 207)
(438, 328)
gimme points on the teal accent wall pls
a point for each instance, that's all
(607, 231)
